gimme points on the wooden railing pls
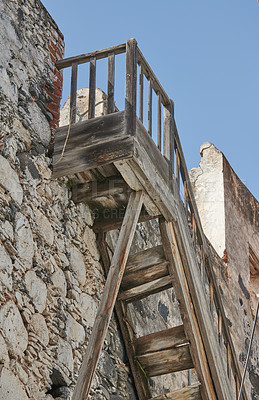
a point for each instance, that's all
(168, 142)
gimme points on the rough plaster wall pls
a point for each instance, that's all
(239, 229)
(242, 230)
(208, 188)
(51, 279)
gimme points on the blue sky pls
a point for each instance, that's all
(205, 54)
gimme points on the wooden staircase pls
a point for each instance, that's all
(122, 173)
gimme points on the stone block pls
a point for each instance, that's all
(10, 386)
(65, 354)
(23, 238)
(74, 331)
(39, 327)
(6, 268)
(44, 228)
(10, 181)
(13, 329)
(77, 264)
(37, 290)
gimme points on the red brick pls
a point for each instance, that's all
(58, 84)
(55, 99)
(53, 59)
(53, 108)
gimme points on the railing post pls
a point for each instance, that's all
(73, 93)
(131, 86)
(168, 143)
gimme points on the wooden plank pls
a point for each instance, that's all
(87, 133)
(109, 221)
(92, 86)
(158, 188)
(186, 393)
(109, 296)
(168, 127)
(166, 361)
(73, 94)
(111, 73)
(161, 340)
(129, 176)
(145, 258)
(183, 295)
(158, 88)
(80, 159)
(152, 151)
(131, 86)
(140, 379)
(145, 290)
(150, 108)
(144, 275)
(92, 144)
(98, 54)
(141, 90)
(159, 123)
(90, 192)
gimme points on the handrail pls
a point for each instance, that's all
(201, 241)
(98, 54)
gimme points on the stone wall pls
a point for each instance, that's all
(51, 279)
(232, 226)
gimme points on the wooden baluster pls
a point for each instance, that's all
(73, 94)
(203, 266)
(172, 138)
(131, 86)
(159, 132)
(237, 386)
(177, 172)
(150, 107)
(141, 93)
(211, 297)
(92, 85)
(186, 198)
(220, 329)
(167, 136)
(194, 228)
(111, 72)
(228, 361)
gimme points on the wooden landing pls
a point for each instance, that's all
(100, 153)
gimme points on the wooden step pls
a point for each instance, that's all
(166, 361)
(186, 393)
(164, 352)
(144, 267)
(145, 290)
(166, 339)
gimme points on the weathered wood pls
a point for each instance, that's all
(92, 144)
(153, 152)
(166, 361)
(150, 108)
(113, 191)
(140, 379)
(151, 180)
(141, 90)
(145, 290)
(145, 258)
(159, 123)
(161, 340)
(92, 86)
(168, 127)
(111, 73)
(109, 296)
(191, 326)
(131, 86)
(83, 58)
(143, 275)
(158, 88)
(73, 93)
(186, 393)
(177, 167)
(129, 176)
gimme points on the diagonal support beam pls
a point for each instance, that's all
(109, 296)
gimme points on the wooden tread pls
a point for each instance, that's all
(186, 393)
(164, 352)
